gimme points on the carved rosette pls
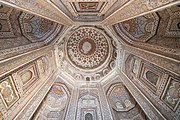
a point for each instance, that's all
(88, 48)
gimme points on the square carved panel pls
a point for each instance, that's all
(28, 76)
(8, 92)
(171, 93)
(151, 77)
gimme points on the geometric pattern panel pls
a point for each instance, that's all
(35, 28)
(8, 92)
(87, 53)
(19, 31)
(6, 30)
(87, 48)
(172, 93)
(141, 28)
(173, 27)
(154, 31)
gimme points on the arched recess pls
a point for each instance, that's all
(88, 116)
(88, 107)
(123, 104)
(131, 66)
(55, 104)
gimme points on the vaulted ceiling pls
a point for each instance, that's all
(120, 57)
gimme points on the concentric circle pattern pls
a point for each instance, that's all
(87, 48)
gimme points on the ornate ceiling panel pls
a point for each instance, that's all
(173, 27)
(120, 98)
(55, 103)
(107, 11)
(141, 28)
(21, 31)
(37, 29)
(90, 53)
(123, 104)
(158, 32)
(159, 85)
(136, 8)
(94, 6)
(88, 48)
(85, 10)
(41, 8)
(5, 24)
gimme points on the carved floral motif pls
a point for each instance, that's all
(8, 92)
(172, 94)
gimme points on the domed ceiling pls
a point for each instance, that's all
(88, 48)
(89, 53)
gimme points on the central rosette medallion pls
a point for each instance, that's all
(87, 48)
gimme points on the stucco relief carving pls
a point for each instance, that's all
(29, 31)
(87, 47)
(28, 76)
(88, 103)
(123, 104)
(119, 97)
(6, 30)
(156, 60)
(41, 8)
(173, 27)
(10, 65)
(152, 81)
(136, 8)
(8, 92)
(37, 29)
(25, 79)
(141, 28)
(43, 65)
(55, 103)
(171, 95)
(163, 31)
(85, 10)
(28, 111)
